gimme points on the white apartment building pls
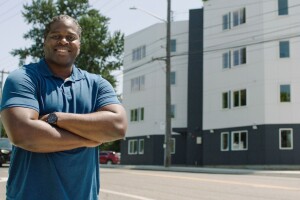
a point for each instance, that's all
(144, 89)
(251, 82)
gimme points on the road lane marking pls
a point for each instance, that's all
(3, 179)
(124, 194)
(219, 181)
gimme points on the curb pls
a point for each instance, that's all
(207, 170)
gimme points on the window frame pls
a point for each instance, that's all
(173, 78)
(283, 7)
(141, 143)
(138, 53)
(239, 56)
(226, 21)
(133, 142)
(239, 17)
(226, 100)
(291, 139)
(173, 111)
(288, 96)
(226, 60)
(222, 141)
(284, 49)
(173, 146)
(173, 45)
(240, 146)
(240, 98)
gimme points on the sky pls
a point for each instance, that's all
(13, 26)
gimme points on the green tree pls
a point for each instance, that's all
(101, 52)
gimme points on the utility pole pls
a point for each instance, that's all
(167, 153)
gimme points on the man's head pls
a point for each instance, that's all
(62, 41)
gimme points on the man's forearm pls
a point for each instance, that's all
(26, 131)
(101, 126)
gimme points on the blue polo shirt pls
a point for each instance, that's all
(65, 175)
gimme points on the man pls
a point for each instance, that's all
(57, 115)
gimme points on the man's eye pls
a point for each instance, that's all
(71, 38)
(56, 37)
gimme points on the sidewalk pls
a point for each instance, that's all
(293, 172)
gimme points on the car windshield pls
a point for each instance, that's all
(4, 143)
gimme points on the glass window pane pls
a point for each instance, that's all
(243, 16)
(224, 141)
(285, 93)
(243, 144)
(236, 98)
(225, 22)
(226, 60)
(243, 97)
(286, 139)
(236, 57)
(243, 56)
(173, 78)
(225, 98)
(141, 146)
(236, 18)
(173, 111)
(142, 114)
(283, 7)
(172, 145)
(173, 45)
(284, 49)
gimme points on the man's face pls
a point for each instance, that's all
(62, 44)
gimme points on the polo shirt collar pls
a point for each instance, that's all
(43, 68)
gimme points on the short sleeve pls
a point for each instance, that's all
(106, 94)
(19, 91)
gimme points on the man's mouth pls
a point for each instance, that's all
(62, 50)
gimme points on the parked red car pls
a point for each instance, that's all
(5, 151)
(109, 157)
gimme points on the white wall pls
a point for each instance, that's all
(263, 72)
(152, 98)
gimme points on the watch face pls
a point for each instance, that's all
(52, 118)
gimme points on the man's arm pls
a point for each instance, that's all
(109, 123)
(26, 131)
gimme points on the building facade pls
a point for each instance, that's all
(236, 95)
(144, 92)
(251, 82)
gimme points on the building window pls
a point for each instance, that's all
(173, 45)
(285, 93)
(284, 49)
(173, 145)
(173, 78)
(226, 100)
(285, 139)
(137, 114)
(239, 56)
(227, 60)
(239, 17)
(239, 140)
(240, 98)
(141, 146)
(132, 147)
(226, 21)
(139, 53)
(173, 111)
(138, 84)
(225, 141)
(283, 8)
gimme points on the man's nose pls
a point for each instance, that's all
(63, 40)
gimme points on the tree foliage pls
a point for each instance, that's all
(101, 52)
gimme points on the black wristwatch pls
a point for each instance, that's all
(52, 118)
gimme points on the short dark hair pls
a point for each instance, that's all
(61, 18)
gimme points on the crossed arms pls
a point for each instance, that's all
(27, 130)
